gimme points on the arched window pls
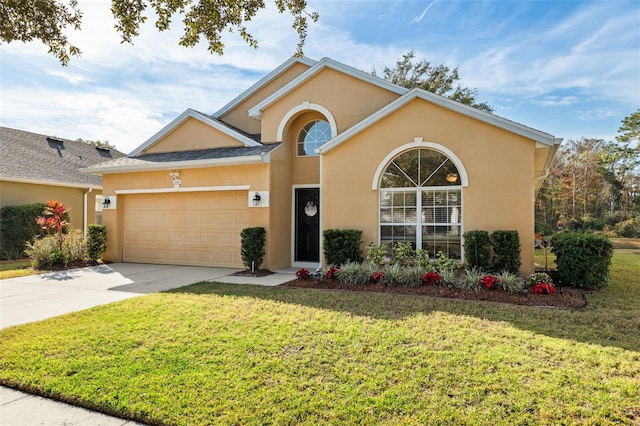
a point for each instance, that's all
(421, 202)
(312, 135)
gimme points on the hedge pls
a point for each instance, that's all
(342, 246)
(582, 259)
(17, 227)
(252, 247)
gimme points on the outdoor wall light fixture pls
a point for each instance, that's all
(176, 179)
(256, 200)
(106, 202)
(452, 177)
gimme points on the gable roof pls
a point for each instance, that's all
(34, 158)
(206, 119)
(494, 120)
(261, 83)
(214, 157)
(256, 111)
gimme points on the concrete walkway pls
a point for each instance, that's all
(37, 297)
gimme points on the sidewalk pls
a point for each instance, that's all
(37, 297)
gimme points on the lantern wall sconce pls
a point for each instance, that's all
(256, 200)
(106, 202)
(452, 177)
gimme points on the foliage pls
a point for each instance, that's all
(47, 21)
(355, 273)
(342, 246)
(403, 253)
(17, 227)
(448, 277)
(583, 259)
(252, 250)
(302, 274)
(423, 259)
(489, 281)
(436, 79)
(376, 253)
(96, 241)
(470, 279)
(510, 282)
(74, 248)
(442, 263)
(410, 276)
(539, 277)
(477, 249)
(46, 251)
(332, 273)
(431, 278)
(629, 228)
(543, 288)
(392, 273)
(506, 247)
(100, 144)
(53, 220)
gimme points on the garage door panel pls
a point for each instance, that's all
(185, 229)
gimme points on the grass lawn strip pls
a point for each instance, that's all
(225, 354)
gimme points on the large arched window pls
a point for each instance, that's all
(312, 135)
(421, 202)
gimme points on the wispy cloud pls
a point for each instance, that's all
(420, 17)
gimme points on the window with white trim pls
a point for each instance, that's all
(313, 135)
(421, 202)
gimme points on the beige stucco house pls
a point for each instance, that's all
(320, 145)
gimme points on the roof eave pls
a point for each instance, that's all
(51, 183)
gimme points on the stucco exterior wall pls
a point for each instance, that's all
(349, 99)
(190, 135)
(16, 193)
(239, 117)
(499, 164)
(256, 176)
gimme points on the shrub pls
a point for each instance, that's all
(423, 260)
(506, 246)
(489, 281)
(342, 246)
(96, 241)
(403, 253)
(511, 282)
(539, 277)
(629, 228)
(410, 276)
(252, 247)
(376, 254)
(392, 273)
(477, 249)
(431, 278)
(443, 263)
(44, 252)
(583, 260)
(469, 280)
(302, 274)
(74, 248)
(17, 227)
(448, 277)
(355, 273)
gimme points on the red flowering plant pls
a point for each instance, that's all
(488, 281)
(52, 221)
(543, 288)
(377, 276)
(431, 278)
(332, 273)
(302, 274)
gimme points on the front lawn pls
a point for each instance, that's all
(226, 354)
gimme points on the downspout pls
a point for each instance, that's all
(85, 197)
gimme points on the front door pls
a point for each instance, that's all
(307, 229)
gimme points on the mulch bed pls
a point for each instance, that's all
(257, 273)
(565, 297)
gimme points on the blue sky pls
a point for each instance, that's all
(569, 68)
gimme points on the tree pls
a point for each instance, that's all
(98, 143)
(436, 79)
(46, 20)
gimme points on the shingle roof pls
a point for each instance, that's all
(34, 157)
(147, 161)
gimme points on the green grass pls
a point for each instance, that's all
(17, 268)
(226, 354)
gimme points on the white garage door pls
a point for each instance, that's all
(197, 228)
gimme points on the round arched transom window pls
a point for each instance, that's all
(312, 135)
(421, 202)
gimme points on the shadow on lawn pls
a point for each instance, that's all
(605, 327)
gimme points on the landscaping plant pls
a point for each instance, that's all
(252, 247)
(342, 246)
(582, 259)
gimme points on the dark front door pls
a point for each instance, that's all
(307, 228)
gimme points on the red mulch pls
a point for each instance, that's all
(565, 297)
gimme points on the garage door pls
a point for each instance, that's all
(197, 228)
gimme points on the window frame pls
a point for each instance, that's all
(318, 145)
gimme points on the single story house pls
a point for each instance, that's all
(321, 145)
(36, 168)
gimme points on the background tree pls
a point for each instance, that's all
(98, 143)
(46, 20)
(436, 79)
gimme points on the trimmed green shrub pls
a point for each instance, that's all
(477, 250)
(252, 243)
(17, 227)
(583, 260)
(506, 247)
(96, 241)
(342, 246)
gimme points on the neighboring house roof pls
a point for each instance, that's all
(494, 120)
(261, 83)
(233, 132)
(34, 158)
(187, 159)
(256, 111)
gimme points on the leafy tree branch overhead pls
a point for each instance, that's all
(47, 20)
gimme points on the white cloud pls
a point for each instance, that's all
(420, 17)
